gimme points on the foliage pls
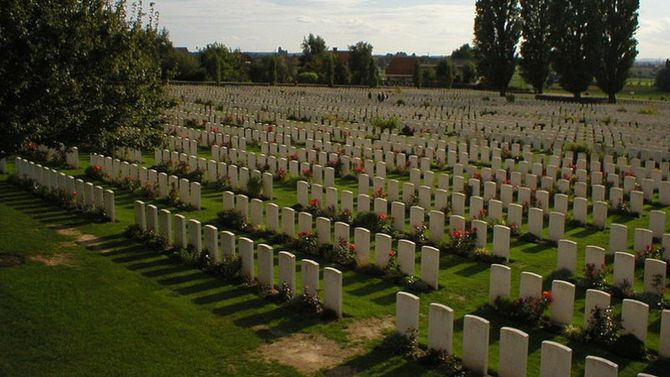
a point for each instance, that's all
(603, 326)
(229, 269)
(375, 223)
(307, 304)
(406, 345)
(593, 277)
(620, 22)
(222, 64)
(181, 169)
(232, 219)
(468, 73)
(462, 241)
(662, 80)
(79, 73)
(344, 253)
(536, 47)
(444, 72)
(362, 65)
(528, 310)
(497, 32)
(447, 364)
(285, 293)
(576, 40)
(307, 243)
(465, 52)
(254, 187)
(149, 238)
(308, 78)
(386, 123)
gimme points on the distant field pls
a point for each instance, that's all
(636, 88)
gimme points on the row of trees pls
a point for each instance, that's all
(579, 39)
(444, 74)
(317, 64)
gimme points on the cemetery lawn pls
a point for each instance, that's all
(71, 311)
(112, 305)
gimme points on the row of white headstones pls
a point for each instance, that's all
(85, 194)
(556, 359)
(179, 231)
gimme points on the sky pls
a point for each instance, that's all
(424, 27)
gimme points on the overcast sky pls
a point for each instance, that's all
(434, 27)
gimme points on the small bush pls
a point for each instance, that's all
(308, 78)
(306, 304)
(446, 364)
(386, 124)
(254, 186)
(232, 219)
(603, 327)
(406, 345)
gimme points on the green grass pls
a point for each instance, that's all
(135, 312)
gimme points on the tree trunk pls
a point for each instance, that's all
(577, 95)
(612, 98)
(503, 92)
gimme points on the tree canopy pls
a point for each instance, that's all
(576, 42)
(497, 32)
(619, 46)
(536, 45)
(79, 73)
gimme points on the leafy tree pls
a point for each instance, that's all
(464, 52)
(444, 73)
(222, 64)
(342, 73)
(663, 77)
(576, 42)
(373, 73)
(329, 60)
(187, 67)
(536, 46)
(417, 77)
(620, 22)
(273, 75)
(497, 32)
(312, 47)
(80, 73)
(468, 73)
(360, 62)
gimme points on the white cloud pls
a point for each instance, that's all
(414, 26)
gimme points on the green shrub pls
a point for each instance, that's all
(603, 327)
(308, 78)
(254, 187)
(406, 345)
(231, 219)
(386, 124)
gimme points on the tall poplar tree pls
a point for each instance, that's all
(497, 32)
(576, 42)
(619, 46)
(536, 45)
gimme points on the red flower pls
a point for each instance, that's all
(392, 253)
(74, 193)
(383, 216)
(314, 203)
(546, 295)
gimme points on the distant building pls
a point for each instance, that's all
(342, 56)
(400, 70)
